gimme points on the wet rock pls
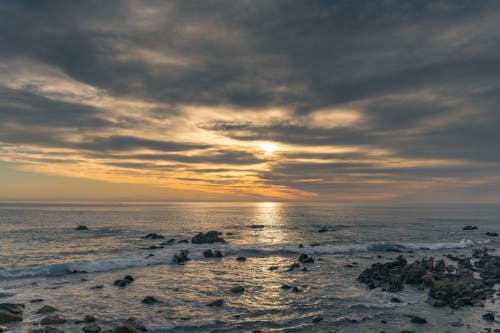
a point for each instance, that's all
(256, 226)
(304, 258)
(293, 266)
(82, 227)
(301, 246)
(47, 329)
(124, 282)
(169, 242)
(153, 247)
(209, 237)
(181, 257)
(46, 309)
(36, 300)
(459, 291)
(241, 259)
(131, 325)
(395, 300)
(388, 276)
(323, 230)
(296, 290)
(183, 241)
(273, 268)
(418, 320)
(212, 254)
(238, 289)
(314, 244)
(317, 319)
(87, 319)
(51, 320)
(489, 316)
(92, 328)
(153, 235)
(229, 234)
(469, 227)
(216, 303)
(97, 286)
(10, 312)
(286, 286)
(492, 234)
(149, 300)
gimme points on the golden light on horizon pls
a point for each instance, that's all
(268, 147)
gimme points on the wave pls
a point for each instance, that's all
(142, 258)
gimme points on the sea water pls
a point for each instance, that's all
(42, 256)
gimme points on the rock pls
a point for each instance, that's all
(50, 320)
(256, 226)
(10, 312)
(87, 319)
(123, 329)
(296, 290)
(153, 236)
(469, 227)
(273, 268)
(97, 286)
(304, 258)
(317, 319)
(182, 257)
(218, 302)
(388, 276)
(418, 320)
(314, 244)
(238, 289)
(212, 254)
(47, 329)
(124, 282)
(209, 237)
(323, 230)
(241, 259)
(169, 242)
(489, 316)
(301, 246)
(229, 234)
(36, 300)
(395, 300)
(183, 241)
(293, 266)
(46, 309)
(82, 227)
(286, 286)
(492, 234)
(131, 325)
(92, 328)
(149, 300)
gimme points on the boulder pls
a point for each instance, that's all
(50, 320)
(238, 289)
(212, 254)
(304, 258)
(209, 237)
(182, 257)
(10, 312)
(492, 234)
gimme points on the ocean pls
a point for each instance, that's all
(45, 260)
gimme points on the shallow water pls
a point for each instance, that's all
(40, 250)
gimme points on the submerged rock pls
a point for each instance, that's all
(216, 303)
(323, 230)
(489, 316)
(238, 289)
(209, 237)
(46, 309)
(418, 320)
(149, 300)
(153, 235)
(128, 279)
(317, 319)
(304, 258)
(82, 227)
(492, 234)
(469, 227)
(50, 320)
(212, 254)
(182, 257)
(10, 312)
(241, 259)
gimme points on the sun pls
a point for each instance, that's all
(268, 147)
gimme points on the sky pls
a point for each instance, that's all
(340, 101)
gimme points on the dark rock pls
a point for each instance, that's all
(304, 258)
(314, 244)
(492, 234)
(296, 290)
(131, 325)
(323, 230)
(388, 276)
(304, 269)
(241, 259)
(87, 319)
(301, 246)
(46, 309)
(286, 286)
(124, 282)
(97, 286)
(256, 226)
(469, 227)
(149, 300)
(92, 328)
(317, 319)
(395, 300)
(229, 234)
(36, 300)
(169, 242)
(273, 268)
(81, 227)
(10, 312)
(212, 254)
(47, 329)
(51, 320)
(154, 236)
(293, 266)
(489, 316)
(182, 257)
(218, 302)
(418, 320)
(183, 241)
(238, 289)
(209, 237)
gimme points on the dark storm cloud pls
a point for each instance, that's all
(424, 75)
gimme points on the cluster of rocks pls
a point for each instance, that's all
(448, 285)
(212, 254)
(10, 312)
(124, 282)
(209, 237)
(181, 257)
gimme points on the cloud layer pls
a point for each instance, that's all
(379, 100)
